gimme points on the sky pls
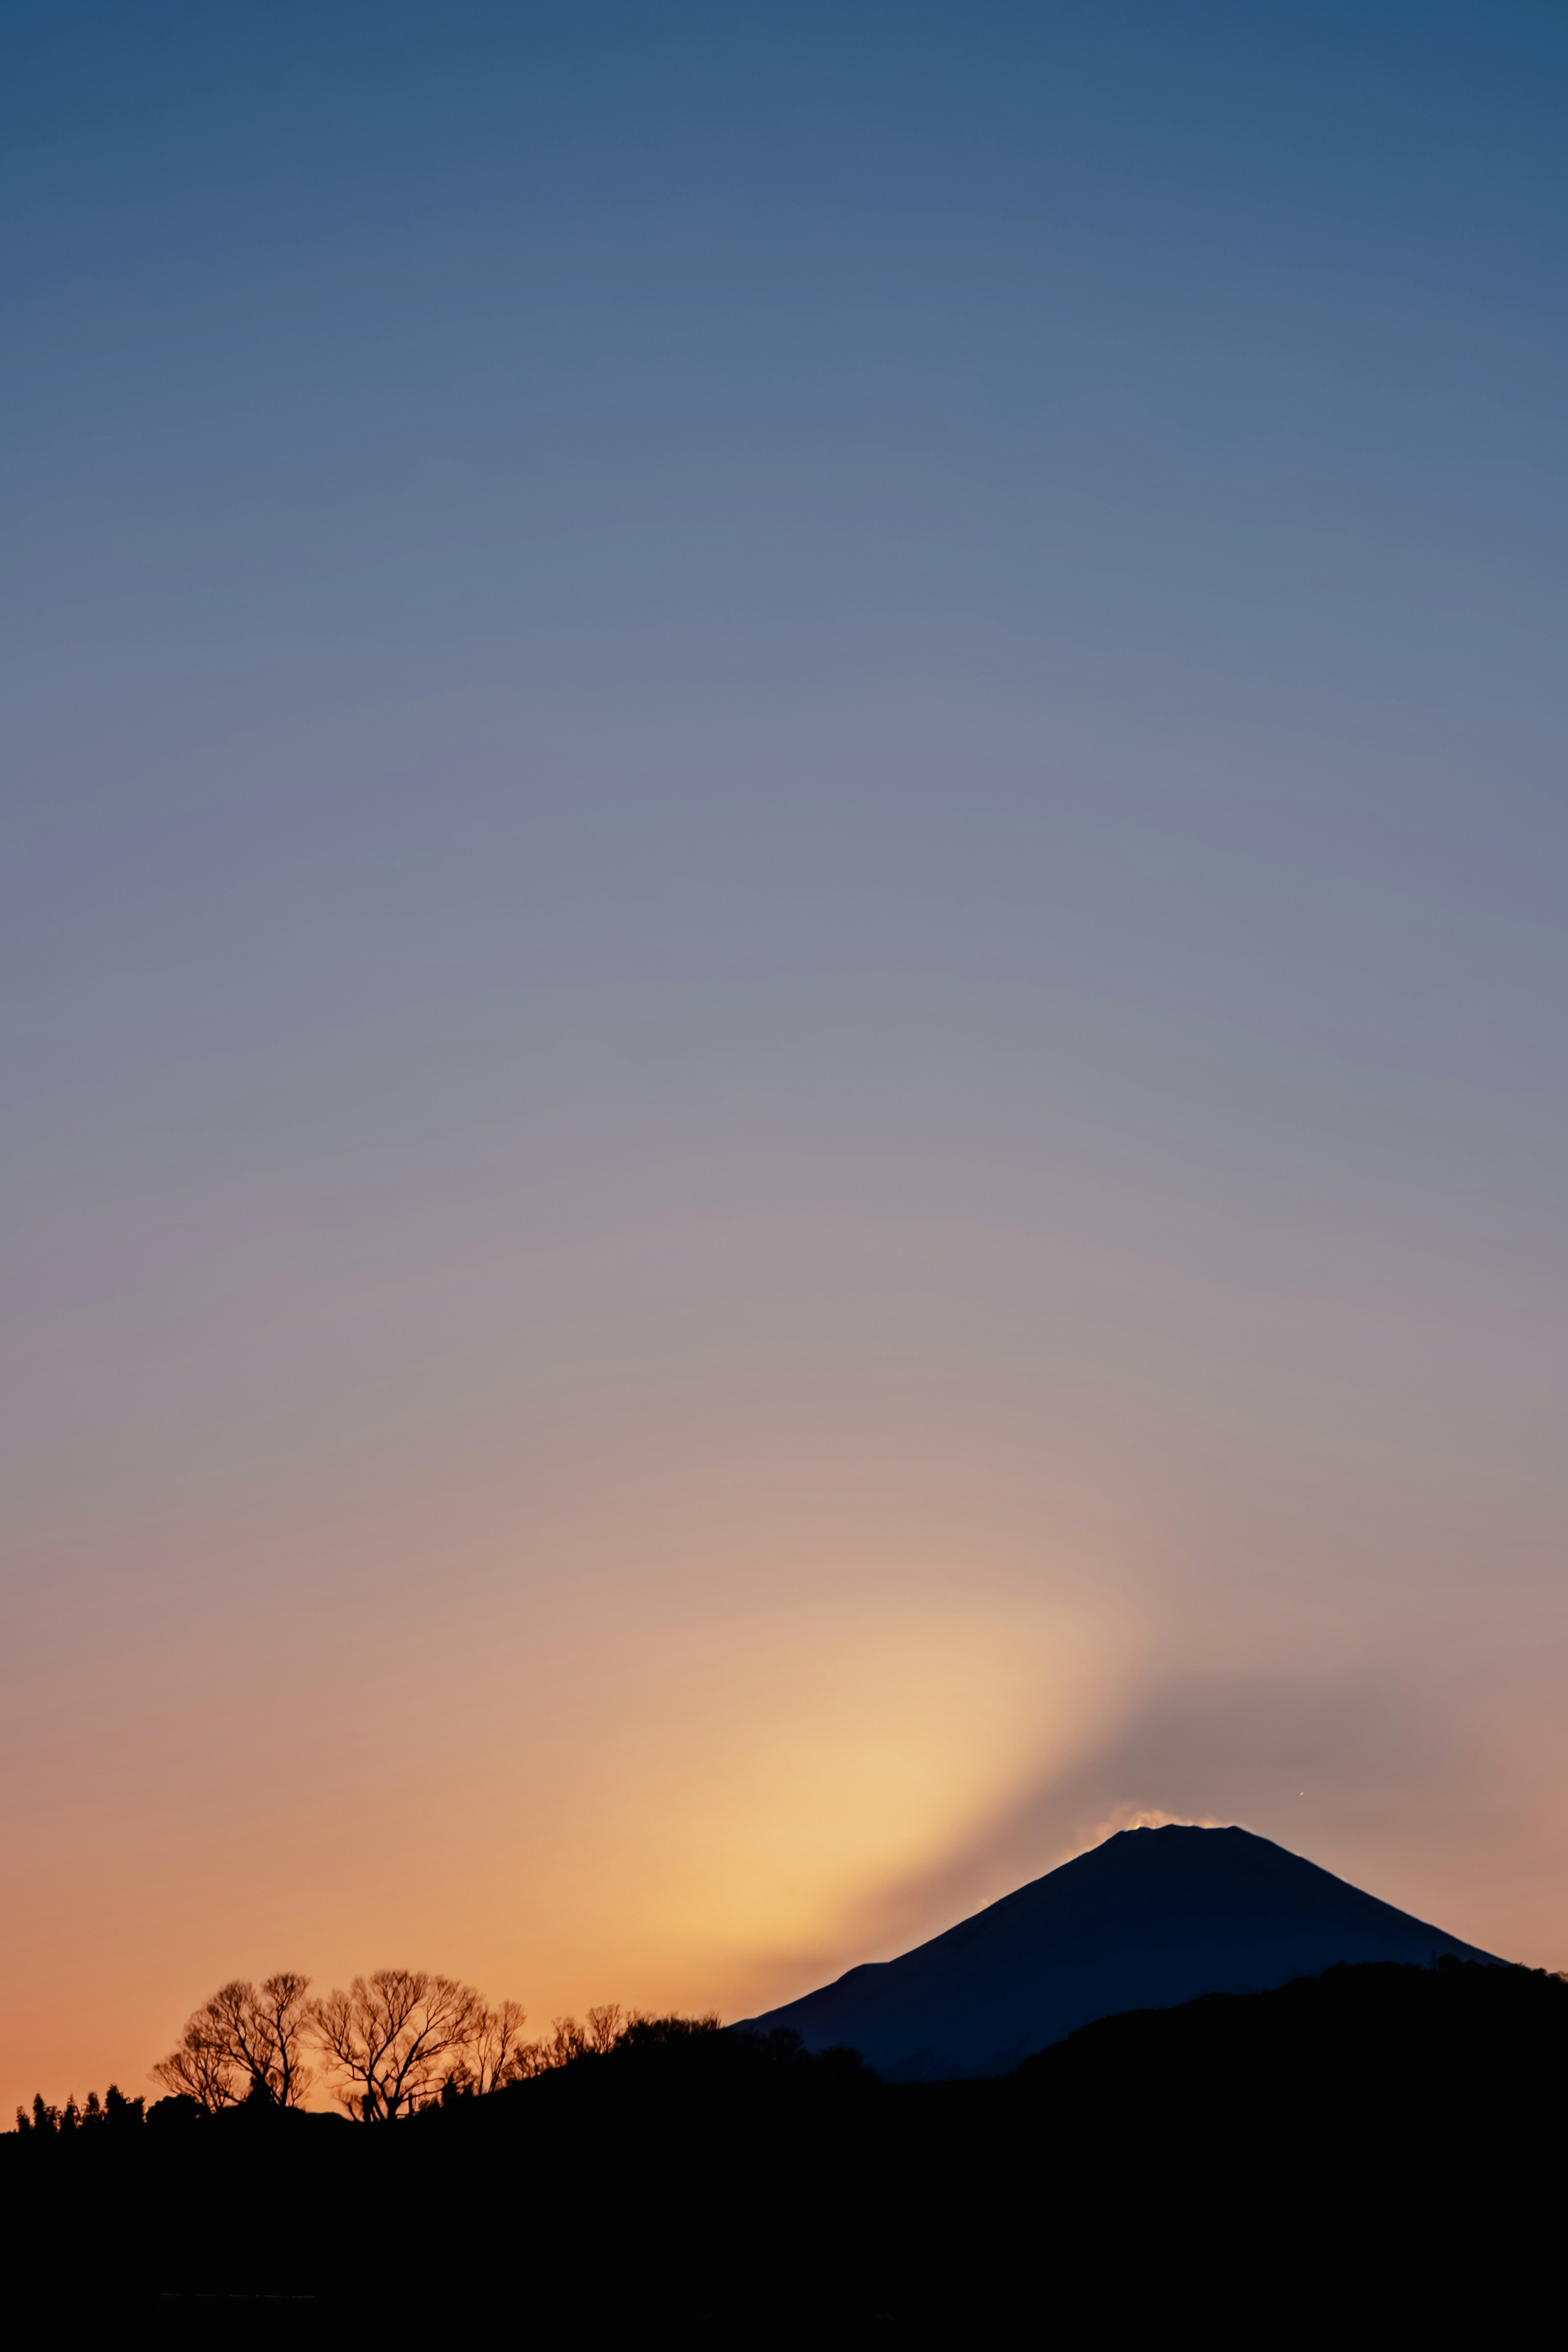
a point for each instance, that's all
(783, 982)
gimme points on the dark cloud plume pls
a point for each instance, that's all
(1302, 1761)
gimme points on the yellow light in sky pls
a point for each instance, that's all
(759, 1801)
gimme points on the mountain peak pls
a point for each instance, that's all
(1150, 1918)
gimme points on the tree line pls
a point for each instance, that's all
(115, 2108)
(395, 2043)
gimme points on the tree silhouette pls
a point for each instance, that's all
(245, 2041)
(495, 2053)
(199, 2068)
(115, 2108)
(393, 2038)
(567, 2040)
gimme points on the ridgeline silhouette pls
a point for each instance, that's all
(1150, 1918)
(1377, 2148)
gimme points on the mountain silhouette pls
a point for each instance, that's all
(1151, 1917)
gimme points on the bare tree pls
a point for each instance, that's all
(496, 2045)
(289, 2010)
(392, 2037)
(496, 2052)
(527, 2060)
(244, 2042)
(199, 2068)
(605, 2027)
(567, 2040)
(264, 2031)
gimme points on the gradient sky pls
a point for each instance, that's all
(784, 996)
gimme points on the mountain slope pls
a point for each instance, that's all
(1150, 1918)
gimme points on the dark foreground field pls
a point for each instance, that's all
(1376, 2153)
